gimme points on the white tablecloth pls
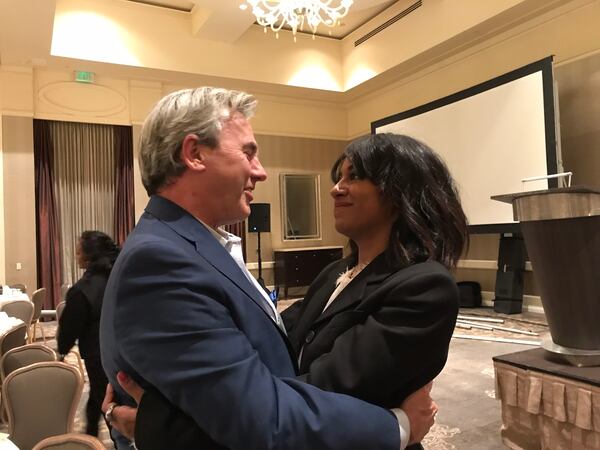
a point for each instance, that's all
(12, 297)
(6, 444)
(6, 323)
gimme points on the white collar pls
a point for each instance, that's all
(222, 236)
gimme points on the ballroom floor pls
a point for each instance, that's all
(469, 415)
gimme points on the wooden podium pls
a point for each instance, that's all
(561, 228)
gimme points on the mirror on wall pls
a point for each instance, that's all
(300, 206)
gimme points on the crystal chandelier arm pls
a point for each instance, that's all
(275, 14)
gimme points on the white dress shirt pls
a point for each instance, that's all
(233, 245)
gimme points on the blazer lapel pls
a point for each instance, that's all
(317, 296)
(359, 288)
(207, 247)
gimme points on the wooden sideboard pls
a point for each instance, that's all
(295, 267)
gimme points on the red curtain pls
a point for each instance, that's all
(48, 230)
(49, 268)
(124, 198)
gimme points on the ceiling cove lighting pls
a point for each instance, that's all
(275, 14)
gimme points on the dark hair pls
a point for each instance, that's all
(99, 250)
(430, 224)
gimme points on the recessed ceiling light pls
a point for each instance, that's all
(243, 7)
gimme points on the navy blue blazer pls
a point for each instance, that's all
(386, 335)
(182, 319)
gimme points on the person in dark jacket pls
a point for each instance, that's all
(377, 324)
(96, 253)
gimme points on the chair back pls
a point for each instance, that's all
(38, 298)
(41, 401)
(20, 309)
(64, 288)
(19, 286)
(70, 441)
(59, 310)
(15, 337)
(24, 356)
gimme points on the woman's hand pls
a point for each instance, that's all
(123, 417)
(421, 411)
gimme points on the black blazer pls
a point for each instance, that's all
(80, 319)
(386, 335)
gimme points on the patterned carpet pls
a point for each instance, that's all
(469, 417)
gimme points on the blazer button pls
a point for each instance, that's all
(309, 337)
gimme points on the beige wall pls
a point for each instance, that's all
(161, 39)
(482, 247)
(435, 23)
(571, 35)
(578, 94)
(281, 154)
(51, 94)
(304, 132)
(141, 36)
(19, 201)
(2, 254)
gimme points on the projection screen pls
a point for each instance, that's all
(491, 136)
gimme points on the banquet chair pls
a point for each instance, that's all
(22, 356)
(37, 298)
(11, 340)
(15, 337)
(41, 401)
(70, 441)
(25, 355)
(20, 309)
(59, 310)
(64, 288)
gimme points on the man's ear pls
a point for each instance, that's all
(192, 153)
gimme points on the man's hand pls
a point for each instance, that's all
(123, 417)
(130, 386)
(421, 411)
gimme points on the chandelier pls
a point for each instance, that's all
(275, 14)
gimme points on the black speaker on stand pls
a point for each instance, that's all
(259, 221)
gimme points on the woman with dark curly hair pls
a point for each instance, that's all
(377, 324)
(96, 253)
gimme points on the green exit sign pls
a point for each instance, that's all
(84, 77)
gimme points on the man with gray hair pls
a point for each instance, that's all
(185, 319)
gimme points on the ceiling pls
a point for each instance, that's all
(28, 33)
(215, 42)
(226, 14)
